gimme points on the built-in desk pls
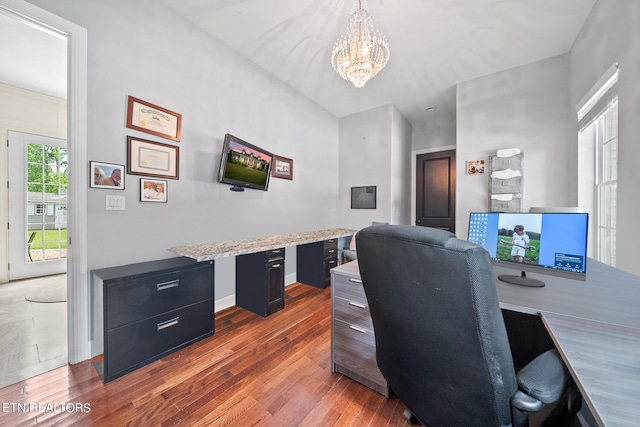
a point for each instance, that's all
(259, 278)
(212, 251)
(596, 327)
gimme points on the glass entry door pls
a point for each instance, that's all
(37, 205)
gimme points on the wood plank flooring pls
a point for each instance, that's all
(254, 371)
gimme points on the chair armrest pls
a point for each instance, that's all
(545, 378)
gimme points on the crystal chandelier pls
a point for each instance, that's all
(362, 52)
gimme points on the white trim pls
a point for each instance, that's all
(290, 279)
(414, 155)
(223, 303)
(78, 333)
(603, 84)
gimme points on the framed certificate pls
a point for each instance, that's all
(152, 158)
(149, 118)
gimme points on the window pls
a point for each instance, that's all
(598, 124)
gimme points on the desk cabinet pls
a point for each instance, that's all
(260, 281)
(315, 261)
(152, 309)
(353, 345)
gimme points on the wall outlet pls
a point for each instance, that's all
(115, 203)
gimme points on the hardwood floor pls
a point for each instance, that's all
(254, 371)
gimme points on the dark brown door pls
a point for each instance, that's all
(436, 190)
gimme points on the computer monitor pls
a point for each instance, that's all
(550, 243)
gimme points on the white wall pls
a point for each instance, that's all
(612, 34)
(143, 49)
(375, 151)
(525, 108)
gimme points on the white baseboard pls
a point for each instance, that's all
(290, 279)
(226, 302)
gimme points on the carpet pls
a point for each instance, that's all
(51, 293)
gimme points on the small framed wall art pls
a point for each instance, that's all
(106, 175)
(282, 167)
(149, 118)
(363, 197)
(153, 190)
(475, 167)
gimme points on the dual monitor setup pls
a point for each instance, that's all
(546, 242)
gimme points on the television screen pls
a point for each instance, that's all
(244, 165)
(537, 242)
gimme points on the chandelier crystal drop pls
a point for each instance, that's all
(362, 52)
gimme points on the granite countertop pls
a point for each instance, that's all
(209, 251)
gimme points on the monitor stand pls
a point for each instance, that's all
(236, 188)
(521, 280)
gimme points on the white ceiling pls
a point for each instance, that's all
(434, 44)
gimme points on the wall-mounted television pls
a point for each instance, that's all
(244, 165)
(548, 242)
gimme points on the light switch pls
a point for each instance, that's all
(115, 203)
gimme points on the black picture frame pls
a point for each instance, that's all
(363, 197)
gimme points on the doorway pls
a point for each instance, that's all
(38, 180)
(436, 190)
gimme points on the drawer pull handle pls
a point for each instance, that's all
(276, 265)
(168, 285)
(357, 304)
(331, 251)
(333, 261)
(355, 328)
(168, 323)
(355, 280)
(276, 251)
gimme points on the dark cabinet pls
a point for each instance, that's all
(152, 309)
(260, 281)
(315, 261)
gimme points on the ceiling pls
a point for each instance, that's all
(434, 44)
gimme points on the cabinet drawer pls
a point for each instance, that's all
(139, 343)
(353, 313)
(275, 255)
(331, 248)
(505, 186)
(349, 288)
(138, 299)
(356, 351)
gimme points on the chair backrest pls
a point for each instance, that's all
(441, 341)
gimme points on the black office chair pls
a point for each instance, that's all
(441, 341)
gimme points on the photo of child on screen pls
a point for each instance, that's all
(520, 243)
(519, 238)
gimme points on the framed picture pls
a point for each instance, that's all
(475, 167)
(153, 190)
(282, 167)
(106, 175)
(363, 197)
(152, 158)
(149, 118)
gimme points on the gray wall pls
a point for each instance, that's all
(375, 151)
(533, 108)
(142, 49)
(525, 108)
